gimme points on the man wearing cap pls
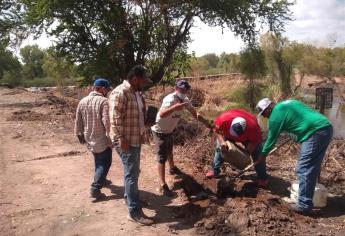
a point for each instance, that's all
(167, 119)
(92, 128)
(311, 129)
(238, 126)
(127, 118)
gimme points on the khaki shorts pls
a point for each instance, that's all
(164, 146)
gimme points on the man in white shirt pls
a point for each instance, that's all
(166, 121)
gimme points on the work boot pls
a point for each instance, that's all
(97, 195)
(165, 191)
(210, 174)
(140, 218)
(262, 183)
(295, 208)
(175, 171)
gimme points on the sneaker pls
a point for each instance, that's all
(165, 191)
(175, 171)
(97, 195)
(295, 208)
(140, 218)
(262, 183)
(210, 174)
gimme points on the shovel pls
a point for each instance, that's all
(241, 172)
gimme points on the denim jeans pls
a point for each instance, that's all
(218, 161)
(309, 165)
(102, 165)
(131, 166)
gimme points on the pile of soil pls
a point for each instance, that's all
(28, 115)
(245, 209)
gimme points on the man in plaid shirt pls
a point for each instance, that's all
(127, 119)
(92, 127)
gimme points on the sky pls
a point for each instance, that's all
(320, 22)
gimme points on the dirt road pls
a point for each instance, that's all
(45, 177)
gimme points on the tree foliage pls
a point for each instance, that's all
(33, 58)
(108, 37)
(252, 65)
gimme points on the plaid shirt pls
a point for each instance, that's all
(92, 120)
(124, 114)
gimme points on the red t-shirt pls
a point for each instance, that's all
(251, 134)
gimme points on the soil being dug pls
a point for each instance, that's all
(238, 207)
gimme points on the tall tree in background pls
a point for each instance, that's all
(252, 65)
(32, 57)
(107, 37)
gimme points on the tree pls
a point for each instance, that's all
(32, 57)
(212, 59)
(228, 63)
(252, 65)
(57, 68)
(279, 60)
(108, 37)
(10, 68)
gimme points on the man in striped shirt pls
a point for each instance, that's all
(92, 127)
(127, 118)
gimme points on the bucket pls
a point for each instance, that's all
(320, 194)
(236, 156)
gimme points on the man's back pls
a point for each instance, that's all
(92, 120)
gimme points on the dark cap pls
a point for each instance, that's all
(139, 71)
(183, 84)
(100, 82)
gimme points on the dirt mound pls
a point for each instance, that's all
(28, 115)
(238, 207)
(197, 97)
(186, 131)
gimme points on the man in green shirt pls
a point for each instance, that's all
(311, 129)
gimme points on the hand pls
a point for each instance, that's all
(180, 106)
(224, 147)
(123, 144)
(81, 139)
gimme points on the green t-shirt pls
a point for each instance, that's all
(295, 118)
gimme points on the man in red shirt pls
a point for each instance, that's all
(239, 126)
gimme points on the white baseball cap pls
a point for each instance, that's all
(238, 125)
(262, 105)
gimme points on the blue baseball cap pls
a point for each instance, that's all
(183, 84)
(100, 82)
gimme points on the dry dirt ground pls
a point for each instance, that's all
(45, 176)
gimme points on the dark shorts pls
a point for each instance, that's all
(164, 146)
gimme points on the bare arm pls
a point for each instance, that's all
(164, 112)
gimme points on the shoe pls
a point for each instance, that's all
(175, 171)
(165, 191)
(295, 208)
(262, 183)
(107, 182)
(210, 174)
(97, 195)
(140, 218)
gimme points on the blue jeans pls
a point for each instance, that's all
(309, 165)
(102, 165)
(131, 166)
(260, 169)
